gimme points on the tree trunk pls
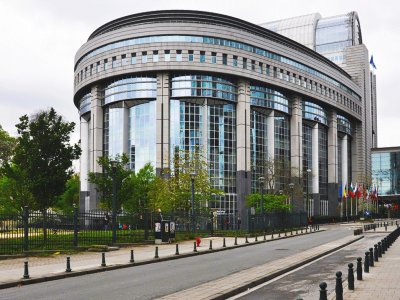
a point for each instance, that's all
(44, 213)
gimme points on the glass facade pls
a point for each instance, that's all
(282, 151)
(213, 41)
(203, 86)
(142, 135)
(386, 172)
(344, 125)
(113, 132)
(268, 98)
(323, 162)
(130, 88)
(259, 147)
(307, 157)
(312, 111)
(84, 104)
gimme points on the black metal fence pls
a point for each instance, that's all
(35, 230)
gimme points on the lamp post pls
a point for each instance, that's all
(192, 176)
(261, 180)
(291, 187)
(307, 201)
(114, 204)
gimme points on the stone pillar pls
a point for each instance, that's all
(315, 168)
(84, 161)
(296, 150)
(344, 171)
(96, 143)
(333, 185)
(162, 123)
(243, 174)
(271, 146)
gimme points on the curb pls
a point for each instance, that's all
(99, 269)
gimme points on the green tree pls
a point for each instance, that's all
(272, 202)
(7, 145)
(104, 181)
(44, 156)
(70, 197)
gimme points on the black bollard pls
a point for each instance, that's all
(379, 249)
(132, 260)
(256, 239)
(26, 271)
(291, 232)
(285, 233)
(366, 262)
(103, 259)
(350, 276)
(68, 269)
(371, 257)
(323, 295)
(306, 228)
(297, 231)
(279, 234)
(339, 286)
(383, 246)
(210, 248)
(223, 243)
(359, 268)
(194, 247)
(375, 252)
(301, 230)
(265, 237)
(156, 252)
(272, 236)
(236, 241)
(176, 249)
(246, 241)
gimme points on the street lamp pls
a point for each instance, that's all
(261, 180)
(307, 201)
(192, 176)
(114, 200)
(291, 187)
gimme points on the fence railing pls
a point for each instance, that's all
(36, 230)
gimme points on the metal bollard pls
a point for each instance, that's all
(359, 268)
(339, 286)
(371, 257)
(103, 259)
(68, 269)
(383, 246)
(265, 238)
(210, 248)
(256, 239)
(306, 228)
(26, 271)
(285, 233)
(194, 247)
(132, 257)
(379, 249)
(350, 276)
(156, 252)
(385, 227)
(323, 295)
(297, 231)
(375, 252)
(246, 241)
(301, 230)
(223, 243)
(236, 241)
(176, 249)
(366, 262)
(279, 234)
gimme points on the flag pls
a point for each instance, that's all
(344, 194)
(371, 62)
(374, 193)
(359, 191)
(351, 191)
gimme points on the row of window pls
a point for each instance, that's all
(233, 60)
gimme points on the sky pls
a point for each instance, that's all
(39, 39)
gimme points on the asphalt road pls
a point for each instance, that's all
(159, 279)
(304, 283)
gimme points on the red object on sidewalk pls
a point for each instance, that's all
(198, 241)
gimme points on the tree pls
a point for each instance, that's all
(104, 181)
(44, 155)
(7, 145)
(272, 202)
(70, 197)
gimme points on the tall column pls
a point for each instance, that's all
(162, 123)
(84, 161)
(333, 185)
(271, 144)
(315, 169)
(96, 142)
(296, 149)
(243, 174)
(344, 171)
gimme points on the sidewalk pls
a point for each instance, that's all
(11, 270)
(382, 281)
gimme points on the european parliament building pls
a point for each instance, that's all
(297, 91)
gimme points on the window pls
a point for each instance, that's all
(85, 72)
(202, 56)
(144, 57)
(253, 65)
(244, 63)
(105, 64)
(167, 55)
(213, 57)
(225, 59)
(260, 68)
(191, 55)
(123, 60)
(235, 61)
(98, 67)
(114, 62)
(268, 70)
(178, 55)
(155, 56)
(91, 69)
(133, 58)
